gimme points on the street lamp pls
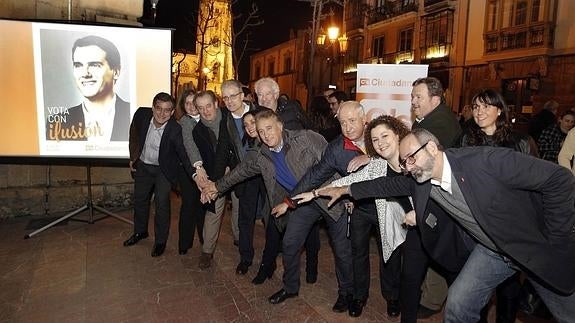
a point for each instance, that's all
(205, 72)
(333, 36)
(154, 6)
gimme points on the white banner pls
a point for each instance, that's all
(385, 89)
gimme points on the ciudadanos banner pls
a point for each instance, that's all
(385, 89)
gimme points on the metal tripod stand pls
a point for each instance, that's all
(89, 206)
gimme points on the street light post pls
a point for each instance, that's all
(338, 48)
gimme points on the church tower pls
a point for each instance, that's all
(212, 62)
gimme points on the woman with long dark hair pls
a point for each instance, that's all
(492, 127)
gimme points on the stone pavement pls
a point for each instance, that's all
(79, 272)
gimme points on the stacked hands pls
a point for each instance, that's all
(210, 193)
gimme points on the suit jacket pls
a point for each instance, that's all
(75, 117)
(217, 154)
(172, 151)
(443, 124)
(303, 149)
(524, 204)
(334, 161)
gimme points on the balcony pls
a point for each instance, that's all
(435, 54)
(399, 57)
(390, 10)
(355, 22)
(539, 35)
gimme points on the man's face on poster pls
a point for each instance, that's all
(94, 76)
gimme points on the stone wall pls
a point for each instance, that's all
(42, 189)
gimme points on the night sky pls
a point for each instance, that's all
(279, 17)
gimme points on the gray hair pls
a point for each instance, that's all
(269, 82)
(424, 136)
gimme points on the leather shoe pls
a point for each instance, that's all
(134, 238)
(281, 296)
(356, 308)
(265, 272)
(393, 309)
(311, 277)
(242, 268)
(205, 260)
(342, 303)
(424, 312)
(159, 249)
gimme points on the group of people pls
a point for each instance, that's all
(453, 224)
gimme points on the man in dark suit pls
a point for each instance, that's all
(519, 209)
(103, 115)
(431, 113)
(156, 151)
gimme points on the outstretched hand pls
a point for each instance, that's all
(410, 218)
(209, 191)
(334, 193)
(357, 162)
(304, 197)
(279, 210)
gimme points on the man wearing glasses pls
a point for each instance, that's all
(432, 114)
(233, 97)
(156, 150)
(519, 209)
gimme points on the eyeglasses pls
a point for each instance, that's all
(227, 98)
(410, 160)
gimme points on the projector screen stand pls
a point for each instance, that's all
(89, 206)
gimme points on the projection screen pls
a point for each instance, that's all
(69, 91)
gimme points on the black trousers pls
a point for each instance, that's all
(300, 224)
(250, 204)
(148, 180)
(192, 212)
(413, 270)
(274, 239)
(363, 223)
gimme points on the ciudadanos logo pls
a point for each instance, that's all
(379, 82)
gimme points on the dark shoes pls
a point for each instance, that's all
(132, 240)
(342, 303)
(265, 272)
(393, 309)
(356, 308)
(182, 251)
(311, 277)
(424, 312)
(159, 249)
(242, 268)
(205, 260)
(281, 296)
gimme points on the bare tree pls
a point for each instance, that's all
(240, 38)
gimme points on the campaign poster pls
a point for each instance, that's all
(385, 89)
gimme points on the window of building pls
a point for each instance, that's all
(436, 35)
(258, 71)
(518, 24)
(287, 63)
(271, 67)
(378, 46)
(406, 40)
